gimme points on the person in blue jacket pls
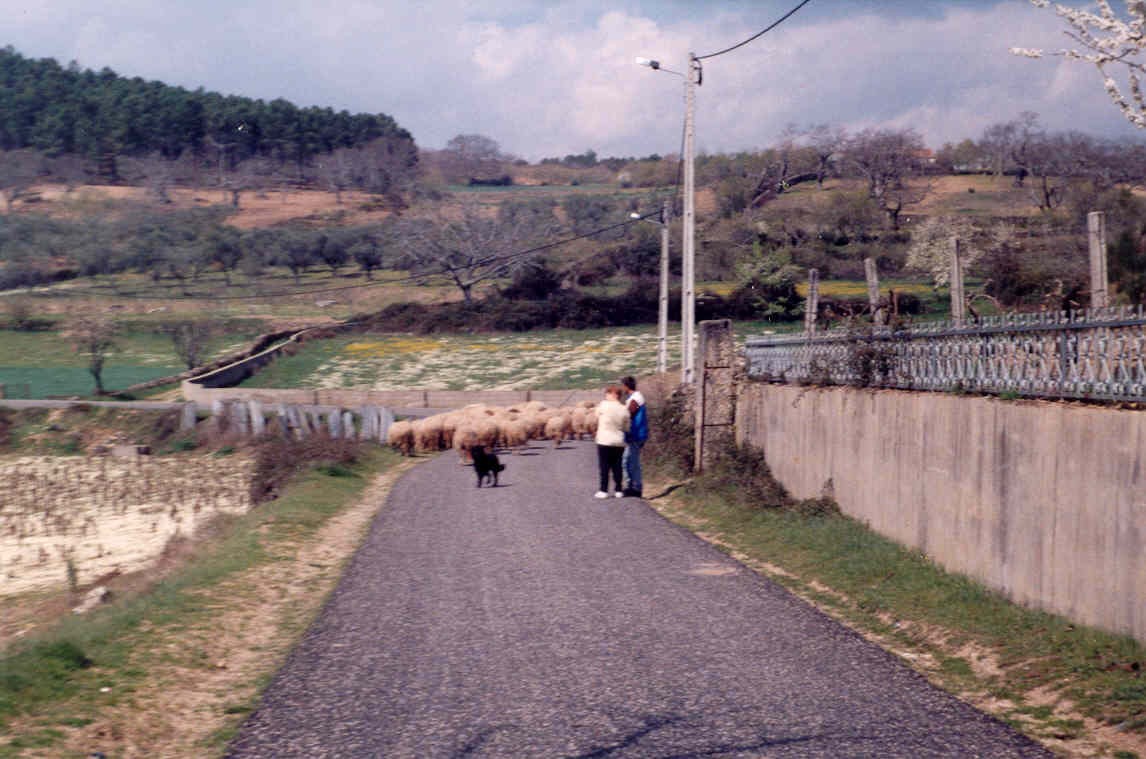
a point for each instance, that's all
(635, 438)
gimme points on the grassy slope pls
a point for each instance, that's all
(1075, 688)
(63, 679)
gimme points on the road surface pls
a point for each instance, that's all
(533, 620)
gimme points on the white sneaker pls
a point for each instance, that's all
(600, 494)
(618, 494)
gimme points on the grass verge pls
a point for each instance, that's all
(1077, 689)
(65, 680)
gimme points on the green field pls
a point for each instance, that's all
(39, 382)
(44, 364)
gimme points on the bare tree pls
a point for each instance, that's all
(93, 335)
(383, 167)
(252, 174)
(336, 171)
(1054, 165)
(889, 159)
(963, 157)
(19, 170)
(157, 173)
(222, 154)
(68, 167)
(790, 164)
(189, 338)
(473, 156)
(474, 247)
(996, 143)
(825, 141)
(388, 167)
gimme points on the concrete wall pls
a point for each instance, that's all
(1042, 501)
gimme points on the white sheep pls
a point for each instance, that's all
(401, 436)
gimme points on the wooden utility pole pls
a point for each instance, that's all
(1099, 281)
(958, 301)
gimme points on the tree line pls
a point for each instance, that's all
(102, 116)
(466, 244)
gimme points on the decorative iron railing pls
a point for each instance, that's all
(1094, 354)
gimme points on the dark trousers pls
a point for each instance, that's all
(609, 460)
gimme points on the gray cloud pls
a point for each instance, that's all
(552, 78)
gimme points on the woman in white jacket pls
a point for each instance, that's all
(612, 424)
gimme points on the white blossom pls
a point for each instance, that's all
(931, 241)
(1106, 39)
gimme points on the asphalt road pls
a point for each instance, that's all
(533, 620)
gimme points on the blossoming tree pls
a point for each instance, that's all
(1110, 42)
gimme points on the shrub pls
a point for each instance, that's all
(278, 460)
(671, 437)
(533, 282)
(771, 298)
(909, 303)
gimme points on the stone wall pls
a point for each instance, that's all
(1042, 501)
(440, 399)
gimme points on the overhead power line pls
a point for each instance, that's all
(758, 34)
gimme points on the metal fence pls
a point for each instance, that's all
(1093, 354)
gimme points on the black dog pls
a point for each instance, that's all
(486, 465)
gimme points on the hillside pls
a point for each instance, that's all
(101, 115)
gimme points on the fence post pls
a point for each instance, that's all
(187, 418)
(812, 303)
(1099, 282)
(258, 421)
(871, 273)
(387, 419)
(715, 396)
(958, 301)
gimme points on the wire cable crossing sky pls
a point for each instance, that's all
(758, 34)
(548, 79)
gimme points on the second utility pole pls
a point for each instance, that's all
(688, 231)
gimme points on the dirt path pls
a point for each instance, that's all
(206, 676)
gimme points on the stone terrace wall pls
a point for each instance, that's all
(1042, 501)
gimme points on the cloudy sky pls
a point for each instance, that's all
(549, 78)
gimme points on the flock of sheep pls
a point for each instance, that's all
(494, 427)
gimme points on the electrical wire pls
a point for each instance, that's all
(756, 36)
(499, 259)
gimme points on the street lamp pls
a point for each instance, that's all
(663, 305)
(688, 233)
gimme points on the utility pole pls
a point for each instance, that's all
(688, 232)
(692, 79)
(1099, 280)
(871, 273)
(663, 306)
(812, 303)
(958, 299)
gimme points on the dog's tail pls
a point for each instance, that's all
(500, 467)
